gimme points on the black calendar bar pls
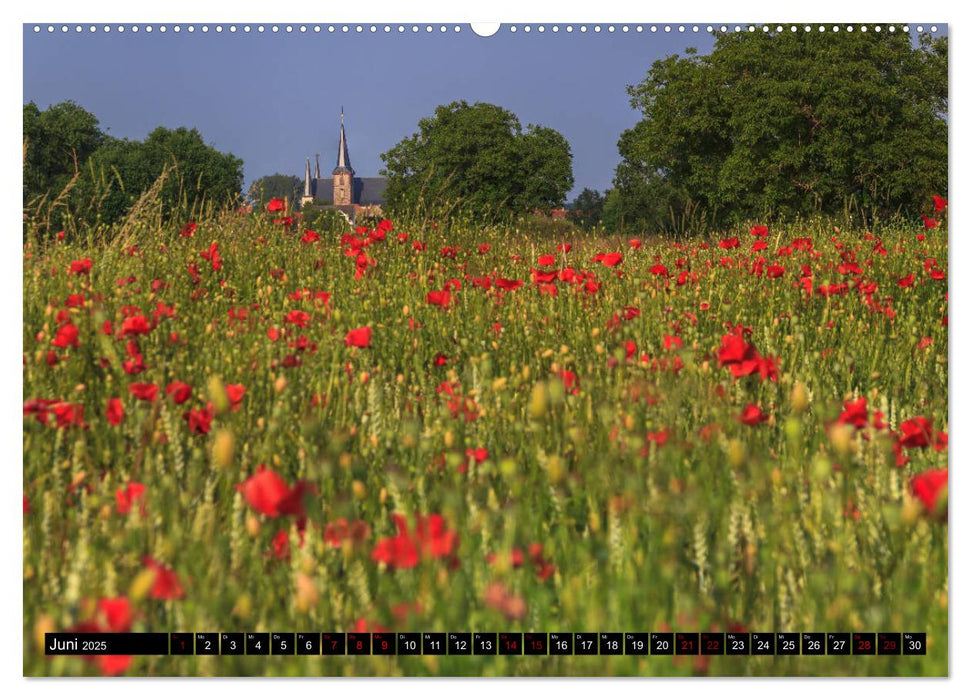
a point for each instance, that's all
(603, 643)
(107, 644)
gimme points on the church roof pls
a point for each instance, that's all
(371, 190)
(366, 190)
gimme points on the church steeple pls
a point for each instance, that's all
(316, 166)
(343, 173)
(343, 159)
(308, 189)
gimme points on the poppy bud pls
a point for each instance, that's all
(736, 453)
(142, 584)
(306, 595)
(252, 525)
(799, 397)
(243, 607)
(217, 394)
(910, 511)
(222, 449)
(45, 623)
(555, 469)
(539, 400)
(841, 437)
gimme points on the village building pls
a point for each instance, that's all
(343, 191)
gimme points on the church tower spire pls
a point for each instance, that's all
(308, 190)
(316, 166)
(343, 173)
(343, 159)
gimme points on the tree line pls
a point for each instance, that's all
(71, 163)
(767, 125)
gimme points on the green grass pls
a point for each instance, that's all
(752, 526)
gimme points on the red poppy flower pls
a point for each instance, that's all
(752, 415)
(508, 285)
(115, 411)
(298, 318)
(569, 381)
(760, 231)
(358, 337)
(928, 222)
(439, 298)
(144, 392)
(939, 203)
(166, 585)
(431, 540)
(126, 497)
(907, 281)
(564, 247)
(266, 492)
(81, 267)
(66, 336)
(916, 432)
(854, 413)
(280, 545)
(608, 259)
(235, 393)
(310, 236)
(277, 205)
(931, 488)
(188, 230)
(672, 342)
(739, 355)
(199, 420)
(545, 260)
(340, 531)
(634, 243)
(135, 325)
(179, 391)
(728, 243)
(479, 454)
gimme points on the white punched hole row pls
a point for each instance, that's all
(484, 30)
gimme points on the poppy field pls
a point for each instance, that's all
(237, 424)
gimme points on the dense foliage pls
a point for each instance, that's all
(784, 124)
(276, 186)
(57, 142)
(478, 157)
(76, 173)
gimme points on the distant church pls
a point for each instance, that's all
(343, 191)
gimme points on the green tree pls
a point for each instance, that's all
(121, 170)
(782, 124)
(57, 140)
(478, 157)
(275, 186)
(588, 208)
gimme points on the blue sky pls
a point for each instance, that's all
(275, 99)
